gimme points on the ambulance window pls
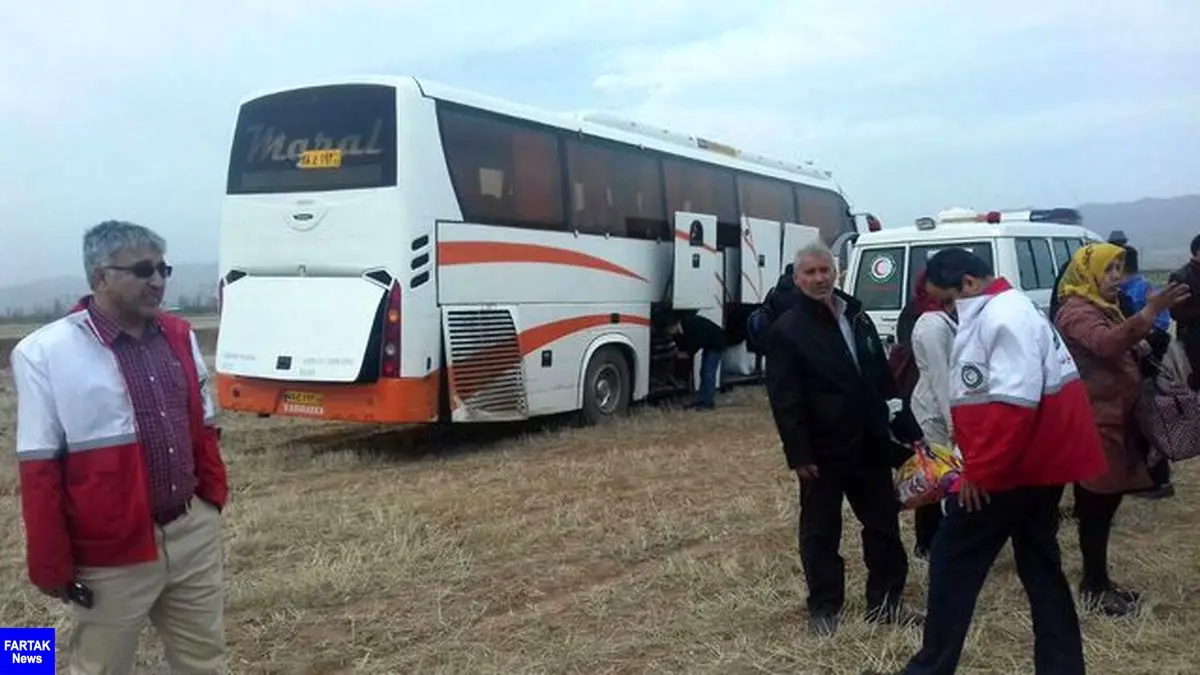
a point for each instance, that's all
(1035, 264)
(878, 284)
(1062, 251)
(920, 255)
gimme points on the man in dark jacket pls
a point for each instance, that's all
(1187, 314)
(694, 333)
(829, 386)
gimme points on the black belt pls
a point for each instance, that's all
(167, 516)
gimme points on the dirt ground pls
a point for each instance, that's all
(665, 544)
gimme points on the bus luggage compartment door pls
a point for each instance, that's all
(761, 240)
(696, 280)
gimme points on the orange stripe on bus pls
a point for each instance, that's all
(541, 335)
(408, 399)
(480, 252)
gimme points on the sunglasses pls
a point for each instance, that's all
(145, 269)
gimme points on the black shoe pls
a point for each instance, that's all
(698, 406)
(824, 625)
(895, 616)
(1112, 602)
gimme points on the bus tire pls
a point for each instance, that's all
(607, 387)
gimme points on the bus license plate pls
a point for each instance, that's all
(320, 159)
(303, 403)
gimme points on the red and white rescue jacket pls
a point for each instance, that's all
(84, 488)
(1021, 414)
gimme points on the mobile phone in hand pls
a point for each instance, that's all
(79, 593)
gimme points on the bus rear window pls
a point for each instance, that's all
(878, 283)
(337, 137)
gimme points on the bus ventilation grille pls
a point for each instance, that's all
(485, 363)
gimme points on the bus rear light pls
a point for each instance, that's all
(391, 334)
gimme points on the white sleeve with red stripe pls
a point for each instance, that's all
(41, 441)
(996, 386)
(40, 435)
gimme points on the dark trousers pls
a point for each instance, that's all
(868, 487)
(963, 552)
(710, 361)
(1095, 512)
(925, 522)
(1190, 337)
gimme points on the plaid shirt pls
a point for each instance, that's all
(158, 392)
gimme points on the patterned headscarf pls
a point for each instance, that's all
(1085, 272)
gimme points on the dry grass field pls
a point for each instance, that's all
(665, 544)
(11, 334)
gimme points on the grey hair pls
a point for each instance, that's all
(103, 242)
(815, 248)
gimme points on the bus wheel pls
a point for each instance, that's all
(606, 387)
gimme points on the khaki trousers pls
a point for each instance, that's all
(182, 594)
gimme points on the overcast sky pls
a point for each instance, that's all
(123, 109)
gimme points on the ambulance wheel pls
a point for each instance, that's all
(606, 387)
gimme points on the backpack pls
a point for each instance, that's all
(757, 324)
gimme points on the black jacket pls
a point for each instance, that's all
(1187, 314)
(825, 407)
(700, 333)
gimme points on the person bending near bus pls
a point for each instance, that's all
(1022, 419)
(829, 385)
(693, 333)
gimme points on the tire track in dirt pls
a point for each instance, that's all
(604, 577)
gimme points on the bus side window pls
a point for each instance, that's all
(823, 210)
(503, 172)
(696, 188)
(615, 191)
(766, 198)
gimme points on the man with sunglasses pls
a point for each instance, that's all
(122, 481)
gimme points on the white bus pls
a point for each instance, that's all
(397, 251)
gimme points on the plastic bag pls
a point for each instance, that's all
(928, 475)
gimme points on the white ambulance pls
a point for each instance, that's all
(1026, 247)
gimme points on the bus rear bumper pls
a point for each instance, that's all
(409, 400)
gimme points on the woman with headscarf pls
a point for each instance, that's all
(926, 327)
(1107, 347)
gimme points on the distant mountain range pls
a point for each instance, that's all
(1161, 229)
(190, 285)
